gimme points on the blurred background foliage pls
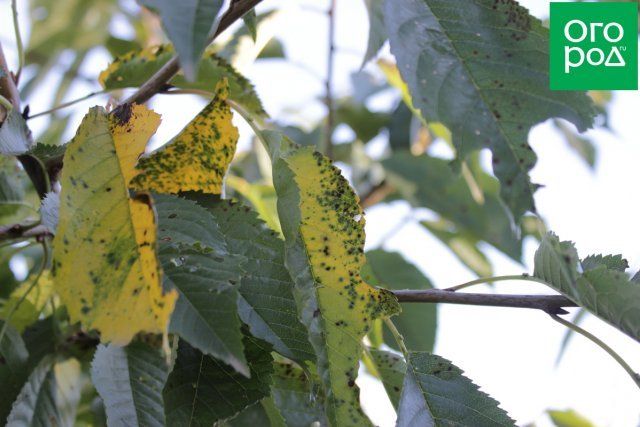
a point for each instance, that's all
(388, 154)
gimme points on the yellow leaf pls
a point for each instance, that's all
(323, 225)
(105, 265)
(198, 157)
(33, 304)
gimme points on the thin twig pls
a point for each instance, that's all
(397, 336)
(8, 88)
(552, 304)
(158, 81)
(67, 104)
(328, 148)
(633, 374)
(19, 45)
(481, 280)
(6, 103)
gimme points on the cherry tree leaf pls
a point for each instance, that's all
(598, 283)
(188, 24)
(130, 381)
(436, 393)
(202, 390)
(323, 225)
(482, 69)
(117, 287)
(134, 68)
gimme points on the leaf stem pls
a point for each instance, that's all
(523, 276)
(19, 45)
(397, 336)
(6, 103)
(633, 374)
(68, 104)
(45, 260)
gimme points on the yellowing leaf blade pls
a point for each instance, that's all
(323, 226)
(198, 157)
(105, 265)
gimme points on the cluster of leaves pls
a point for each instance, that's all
(164, 301)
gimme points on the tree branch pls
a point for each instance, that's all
(158, 81)
(551, 304)
(8, 87)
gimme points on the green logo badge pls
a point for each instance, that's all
(594, 46)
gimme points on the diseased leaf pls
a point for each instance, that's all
(15, 136)
(296, 397)
(202, 390)
(417, 323)
(134, 68)
(392, 369)
(603, 288)
(377, 29)
(188, 24)
(130, 381)
(436, 393)
(117, 287)
(323, 225)
(481, 68)
(198, 157)
(266, 302)
(429, 182)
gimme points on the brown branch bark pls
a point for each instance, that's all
(8, 87)
(158, 81)
(552, 304)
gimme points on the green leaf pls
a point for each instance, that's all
(135, 68)
(15, 136)
(41, 402)
(365, 123)
(251, 21)
(612, 262)
(50, 210)
(130, 381)
(296, 397)
(482, 70)
(202, 390)
(392, 369)
(323, 225)
(377, 29)
(188, 24)
(429, 182)
(568, 418)
(206, 312)
(417, 323)
(266, 303)
(262, 413)
(13, 371)
(12, 188)
(603, 288)
(196, 262)
(436, 393)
